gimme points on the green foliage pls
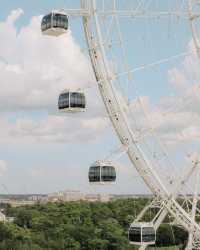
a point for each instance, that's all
(165, 236)
(171, 235)
(78, 226)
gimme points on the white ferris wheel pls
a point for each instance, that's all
(145, 55)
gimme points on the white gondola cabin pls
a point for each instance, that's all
(54, 23)
(141, 233)
(71, 101)
(102, 173)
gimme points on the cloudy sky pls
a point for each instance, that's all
(42, 151)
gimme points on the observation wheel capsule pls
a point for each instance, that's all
(71, 101)
(102, 173)
(54, 23)
(141, 233)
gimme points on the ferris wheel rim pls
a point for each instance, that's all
(193, 27)
(172, 206)
(119, 118)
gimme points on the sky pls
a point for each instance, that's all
(42, 151)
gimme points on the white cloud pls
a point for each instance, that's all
(59, 129)
(34, 69)
(3, 167)
(177, 79)
(175, 119)
(14, 15)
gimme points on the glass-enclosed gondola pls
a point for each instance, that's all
(142, 233)
(54, 24)
(101, 173)
(71, 101)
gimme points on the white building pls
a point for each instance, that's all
(67, 195)
(2, 217)
(97, 197)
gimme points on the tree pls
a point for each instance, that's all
(114, 234)
(165, 236)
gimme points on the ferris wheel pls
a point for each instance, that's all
(145, 56)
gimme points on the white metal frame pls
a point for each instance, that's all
(122, 127)
(119, 119)
(192, 18)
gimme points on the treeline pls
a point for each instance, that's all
(79, 226)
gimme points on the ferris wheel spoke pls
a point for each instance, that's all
(109, 29)
(153, 64)
(194, 210)
(105, 44)
(117, 153)
(143, 14)
(191, 203)
(83, 12)
(181, 181)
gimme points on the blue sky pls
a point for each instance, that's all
(46, 167)
(41, 151)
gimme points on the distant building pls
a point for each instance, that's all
(97, 197)
(2, 216)
(75, 195)
(10, 219)
(91, 197)
(67, 195)
(36, 198)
